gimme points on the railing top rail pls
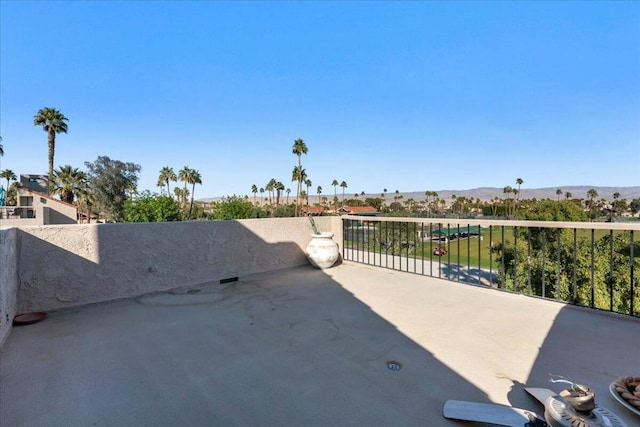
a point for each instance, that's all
(507, 223)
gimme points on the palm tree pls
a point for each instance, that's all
(279, 189)
(193, 178)
(343, 185)
(335, 184)
(307, 183)
(52, 122)
(166, 174)
(288, 190)
(9, 175)
(1, 148)
(182, 176)
(507, 190)
(271, 185)
(319, 191)
(519, 181)
(262, 194)
(568, 195)
(181, 194)
(68, 182)
(558, 193)
(299, 148)
(254, 190)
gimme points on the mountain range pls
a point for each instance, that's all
(488, 193)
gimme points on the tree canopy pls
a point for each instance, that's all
(112, 181)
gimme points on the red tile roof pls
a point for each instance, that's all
(359, 209)
(313, 209)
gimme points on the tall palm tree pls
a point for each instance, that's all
(9, 175)
(558, 193)
(308, 183)
(166, 174)
(68, 183)
(507, 190)
(193, 178)
(301, 175)
(299, 148)
(335, 184)
(519, 181)
(319, 191)
(181, 195)
(271, 187)
(182, 176)
(343, 185)
(254, 190)
(52, 122)
(288, 191)
(262, 195)
(279, 189)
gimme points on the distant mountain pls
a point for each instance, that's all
(488, 193)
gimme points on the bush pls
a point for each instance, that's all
(233, 207)
(149, 207)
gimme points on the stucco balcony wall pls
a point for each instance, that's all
(71, 265)
(8, 280)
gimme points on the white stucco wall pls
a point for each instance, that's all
(69, 265)
(8, 280)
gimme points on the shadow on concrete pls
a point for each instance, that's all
(469, 275)
(291, 347)
(588, 347)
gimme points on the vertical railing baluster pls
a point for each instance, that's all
(344, 241)
(610, 270)
(575, 265)
(631, 278)
(592, 303)
(529, 291)
(415, 248)
(504, 273)
(422, 245)
(558, 270)
(458, 244)
(468, 253)
(448, 251)
(439, 256)
(515, 259)
(479, 254)
(431, 249)
(544, 264)
(490, 255)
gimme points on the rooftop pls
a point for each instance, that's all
(302, 346)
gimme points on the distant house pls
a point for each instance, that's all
(313, 210)
(359, 210)
(36, 207)
(39, 183)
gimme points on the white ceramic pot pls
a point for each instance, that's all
(322, 251)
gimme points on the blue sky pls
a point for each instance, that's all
(411, 96)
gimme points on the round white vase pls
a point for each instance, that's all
(322, 251)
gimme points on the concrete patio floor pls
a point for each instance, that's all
(306, 347)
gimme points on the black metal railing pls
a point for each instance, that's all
(586, 264)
